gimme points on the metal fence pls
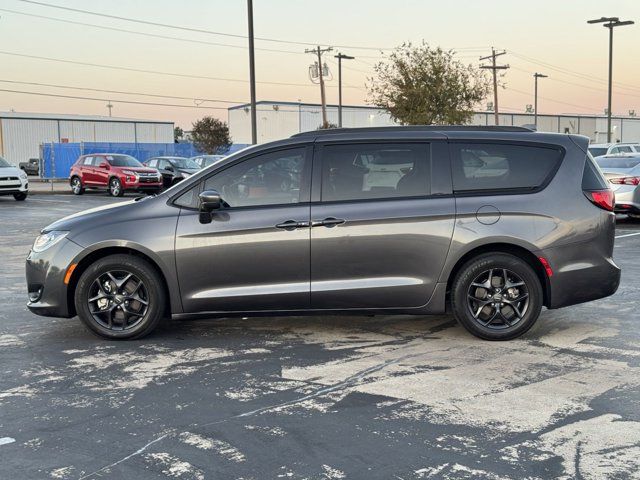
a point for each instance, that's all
(56, 159)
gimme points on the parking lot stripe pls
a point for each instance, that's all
(6, 440)
(628, 235)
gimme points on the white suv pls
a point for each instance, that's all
(599, 149)
(13, 181)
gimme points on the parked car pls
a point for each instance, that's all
(599, 149)
(623, 173)
(115, 173)
(32, 167)
(13, 181)
(204, 161)
(536, 229)
(173, 169)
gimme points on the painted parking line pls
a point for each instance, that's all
(6, 440)
(628, 235)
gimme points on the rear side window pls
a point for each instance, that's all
(375, 171)
(592, 178)
(497, 167)
(87, 161)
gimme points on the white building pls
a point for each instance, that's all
(21, 134)
(277, 120)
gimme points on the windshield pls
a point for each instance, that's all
(4, 163)
(123, 161)
(597, 151)
(184, 163)
(620, 162)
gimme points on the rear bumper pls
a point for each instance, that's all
(581, 274)
(627, 200)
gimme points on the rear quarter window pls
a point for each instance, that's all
(592, 177)
(502, 167)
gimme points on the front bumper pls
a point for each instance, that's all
(141, 184)
(12, 187)
(45, 272)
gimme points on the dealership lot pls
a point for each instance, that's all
(315, 397)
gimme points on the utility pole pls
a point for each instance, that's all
(536, 76)
(252, 75)
(610, 23)
(109, 106)
(340, 57)
(494, 68)
(323, 98)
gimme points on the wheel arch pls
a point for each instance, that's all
(509, 248)
(90, 257)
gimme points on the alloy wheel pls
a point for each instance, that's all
(498, 299)
(115, 187)
(118, 300)
(76, 186)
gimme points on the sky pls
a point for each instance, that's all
(546, 36)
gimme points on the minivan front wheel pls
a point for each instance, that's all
(496, 296)
(120, 297)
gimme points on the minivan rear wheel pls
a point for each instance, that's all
(120, 297)
(496, 296)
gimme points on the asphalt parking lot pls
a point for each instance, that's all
(315, 397)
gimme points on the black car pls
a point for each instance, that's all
(204, 161)
(173, 169)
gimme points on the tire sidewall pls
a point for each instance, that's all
(80, 190)
(477, 266)
(144, 272)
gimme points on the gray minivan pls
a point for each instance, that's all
(495, 222)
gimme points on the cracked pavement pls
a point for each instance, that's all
(315, 397)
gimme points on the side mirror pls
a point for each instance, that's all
(210, 200)
(104, 165)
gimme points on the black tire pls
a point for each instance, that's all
(115, 187)
(20, 196)
(132, 327)
(473, 303)
(76, 186)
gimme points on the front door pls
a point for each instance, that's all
(254, 253)
(380, 234)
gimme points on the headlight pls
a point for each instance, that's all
(23, 176)
(129, 172)
(46, 240)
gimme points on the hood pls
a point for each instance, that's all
(189, 171)
(10, 172)
(67, 223)
(140, 169)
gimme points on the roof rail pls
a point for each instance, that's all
(414, 128)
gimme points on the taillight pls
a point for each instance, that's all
(625, 180)
(604, 199)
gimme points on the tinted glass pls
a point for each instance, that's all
(152, 163)
(268, 179)
(375, 171)
(597, 151)
(184, 163)
(189, 199)
(623, 162)
(484, 166)
(123, 161)
(4, 163)
(592, 178)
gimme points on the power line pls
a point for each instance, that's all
(156, 72)
(189, 29)
(494, 69)
(145, 34)
(91, 89)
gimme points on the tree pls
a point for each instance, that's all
(427, 86)
(178, 133)
(211, 135)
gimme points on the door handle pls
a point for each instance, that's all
(292, 225)
(328, 222)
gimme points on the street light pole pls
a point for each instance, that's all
(610, 23)
(536, 76)
(340, 57)
(252, 75)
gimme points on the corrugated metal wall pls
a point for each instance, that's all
(21, 138)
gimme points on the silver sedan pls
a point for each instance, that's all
(623, 174)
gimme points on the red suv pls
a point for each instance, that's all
(116, 173)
